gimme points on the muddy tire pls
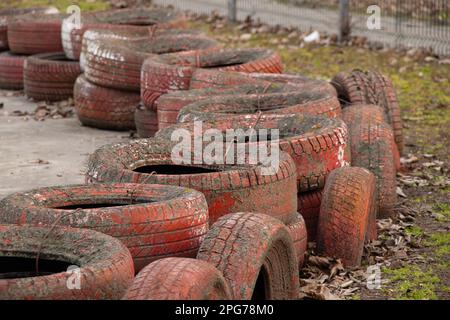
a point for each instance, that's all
(117, 63)
(299, 236)
(49, 77)
(352, 114)
(309, 208)
(179, 279)
(227, 188)
(174, 71)
(163, 221)
(317, 145)
(104, 108)
(35, 33)
(345, 214)
(11, 70)
(129, 20)
(371, 144)
(105, 264)
(256, 255)
(371, 87)
(146, 122)
(207, 78)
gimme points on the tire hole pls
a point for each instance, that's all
(17, 267)
(173, 169)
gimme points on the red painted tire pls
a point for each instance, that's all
(227, 188)
(317, 145)
(351, 114)
(299, 236)
(104, 108)
(171, 72)
(256, 255)
(371, 144)
(11, 70)
(309, 208)
(130, 20)
(49, 76)
(105, 268)
(35, 33)
(207, 78)
(371, 87)
(345, 214)
(179, 279)
(146, 122)
(240, 105)
(117, 63)
(165, 221)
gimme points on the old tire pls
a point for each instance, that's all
(371, 143)
(50, 77)
(105, 264)
(129, 20)
(227, 188)
(240, 105)
(35, 33)
(299, 236)
(104, 108)
(179, 279)
(317, 145)
(146, 122)
(256, 255)
(174, 71)
(345, 214)
(309, 208)
(11, 70)
(164, 221)
(371, 87)
(117, 63)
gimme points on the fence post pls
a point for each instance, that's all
(344, 20)
(232, 8)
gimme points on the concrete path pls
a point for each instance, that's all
(44, 153)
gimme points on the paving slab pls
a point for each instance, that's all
(44, 153)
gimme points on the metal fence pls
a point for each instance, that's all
(404, 23)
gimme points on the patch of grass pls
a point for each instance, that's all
(412, 283)
(444, 209)
(62, 5)
(441, 243)
(414, 231)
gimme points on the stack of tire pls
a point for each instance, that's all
(12, 58)
(112, 47)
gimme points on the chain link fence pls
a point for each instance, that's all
(403, 23)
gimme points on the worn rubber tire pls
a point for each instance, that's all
(104, 108)
(227, 188)
(105, 264)
(299, 236)
(371, 87)
(50, 76)
(351, 114)
(207, 78)
(11, 70)
(146, 122)
(309, 208)
(166, 221)
(371, 144)
(317, 145)
(129, 20)
(35, 33)
(173, 71)
(117, 63)
(239, 105)
(179, 279)
(345, 214)
(248, 246)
